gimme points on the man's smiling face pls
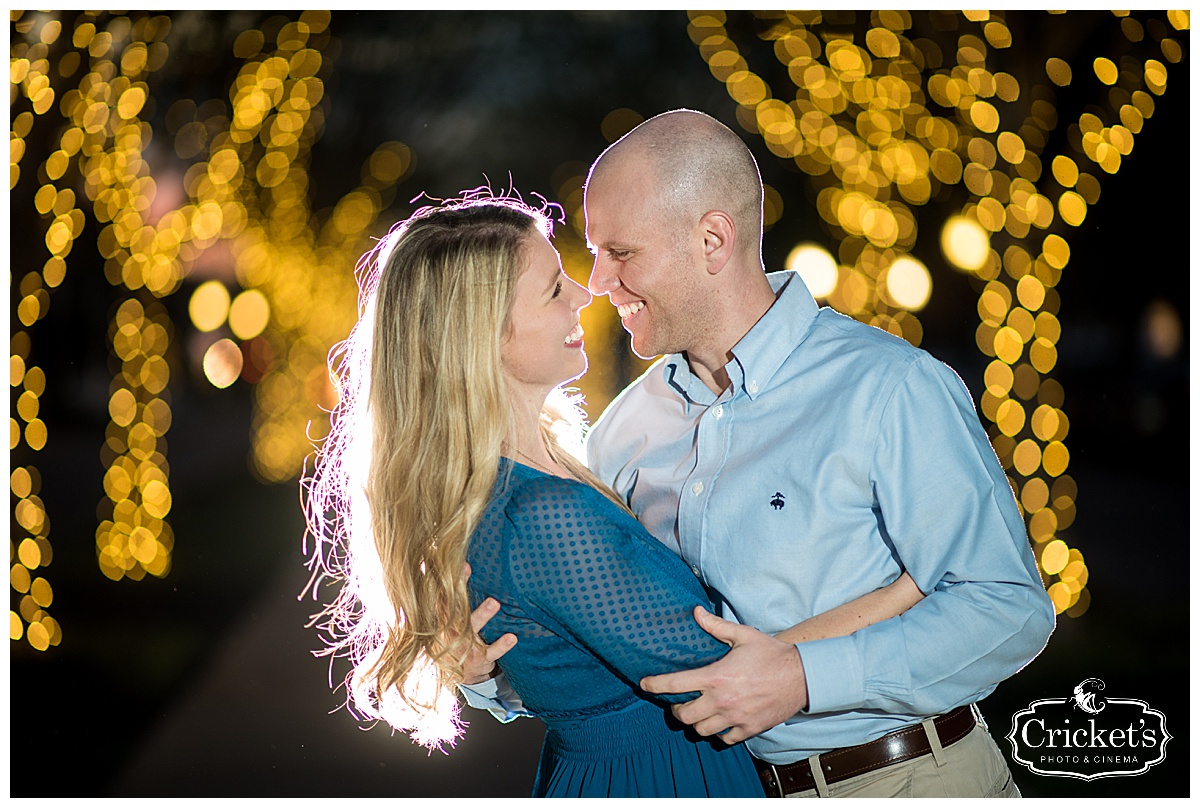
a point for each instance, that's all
(643, 260)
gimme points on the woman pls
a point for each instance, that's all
(443, 450)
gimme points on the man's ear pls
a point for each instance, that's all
(719, 237)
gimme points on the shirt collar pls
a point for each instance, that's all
(761, 352)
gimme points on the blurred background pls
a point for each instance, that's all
(190, 192)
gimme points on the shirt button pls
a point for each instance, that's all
(697, 488)
(695, 571)
(719, 411)
(753, 387)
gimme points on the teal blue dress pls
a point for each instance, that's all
(597, 604)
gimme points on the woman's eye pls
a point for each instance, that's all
(557, 289)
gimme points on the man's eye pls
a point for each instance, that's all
(619, 255)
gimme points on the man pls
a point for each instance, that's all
(798, 459)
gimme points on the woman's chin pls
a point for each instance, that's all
(582, 370)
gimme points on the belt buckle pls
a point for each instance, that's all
(778, 780)
(979, 719)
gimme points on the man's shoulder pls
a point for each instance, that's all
(851, 350)
(832, 325)
(881, 359)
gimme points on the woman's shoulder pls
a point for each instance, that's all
(545, 506)
(530, 488)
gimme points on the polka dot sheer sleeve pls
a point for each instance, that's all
(592, 573)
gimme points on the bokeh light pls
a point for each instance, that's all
(816, 266)
(1162, 329)
(249, 314)
(618, 123)
(965, 243)
(223, 363)
(149, 246)
(908, 283)
(209, 306)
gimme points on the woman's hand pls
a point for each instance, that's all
(480, 664)
(896, 598)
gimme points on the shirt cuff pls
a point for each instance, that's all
(483, 691)
(497, 697)
(834, 674)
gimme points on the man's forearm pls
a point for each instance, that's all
(952, 647)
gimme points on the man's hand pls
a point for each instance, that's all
(757, 685)
(481, 662)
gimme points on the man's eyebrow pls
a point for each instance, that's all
(609, 246)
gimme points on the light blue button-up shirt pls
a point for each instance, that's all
(838, 457)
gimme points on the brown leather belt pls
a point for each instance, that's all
(842, 764)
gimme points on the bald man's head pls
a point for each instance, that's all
(696, 164)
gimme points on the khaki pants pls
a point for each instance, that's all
(972, 767)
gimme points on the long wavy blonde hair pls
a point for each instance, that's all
(410, 463)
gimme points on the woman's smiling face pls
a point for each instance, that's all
(543, 347)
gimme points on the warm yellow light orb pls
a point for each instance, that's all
(965, 243)
(908, 283)
(249, 314)
(816, 267)
(1055, 556)
(209, 306)
(1060, 595)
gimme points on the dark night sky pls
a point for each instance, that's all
(202, 684)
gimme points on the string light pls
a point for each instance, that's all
(1018, 308)
(247, 194)
(142, 257)
(299, 296)
(29, 77)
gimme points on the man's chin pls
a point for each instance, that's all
(643, 346)
(643, 350)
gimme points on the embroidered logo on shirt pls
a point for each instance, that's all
(777, 501)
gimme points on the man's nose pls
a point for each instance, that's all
(602, 280)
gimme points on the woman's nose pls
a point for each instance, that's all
(581, 294)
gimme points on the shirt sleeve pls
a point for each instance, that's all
(951, 516)
(496, 696)
(593, 575)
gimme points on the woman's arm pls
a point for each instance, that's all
(480, 664)
(592, 575)
(873, 607)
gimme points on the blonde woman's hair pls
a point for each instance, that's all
(410, 463)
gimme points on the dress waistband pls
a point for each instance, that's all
(601, 736)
